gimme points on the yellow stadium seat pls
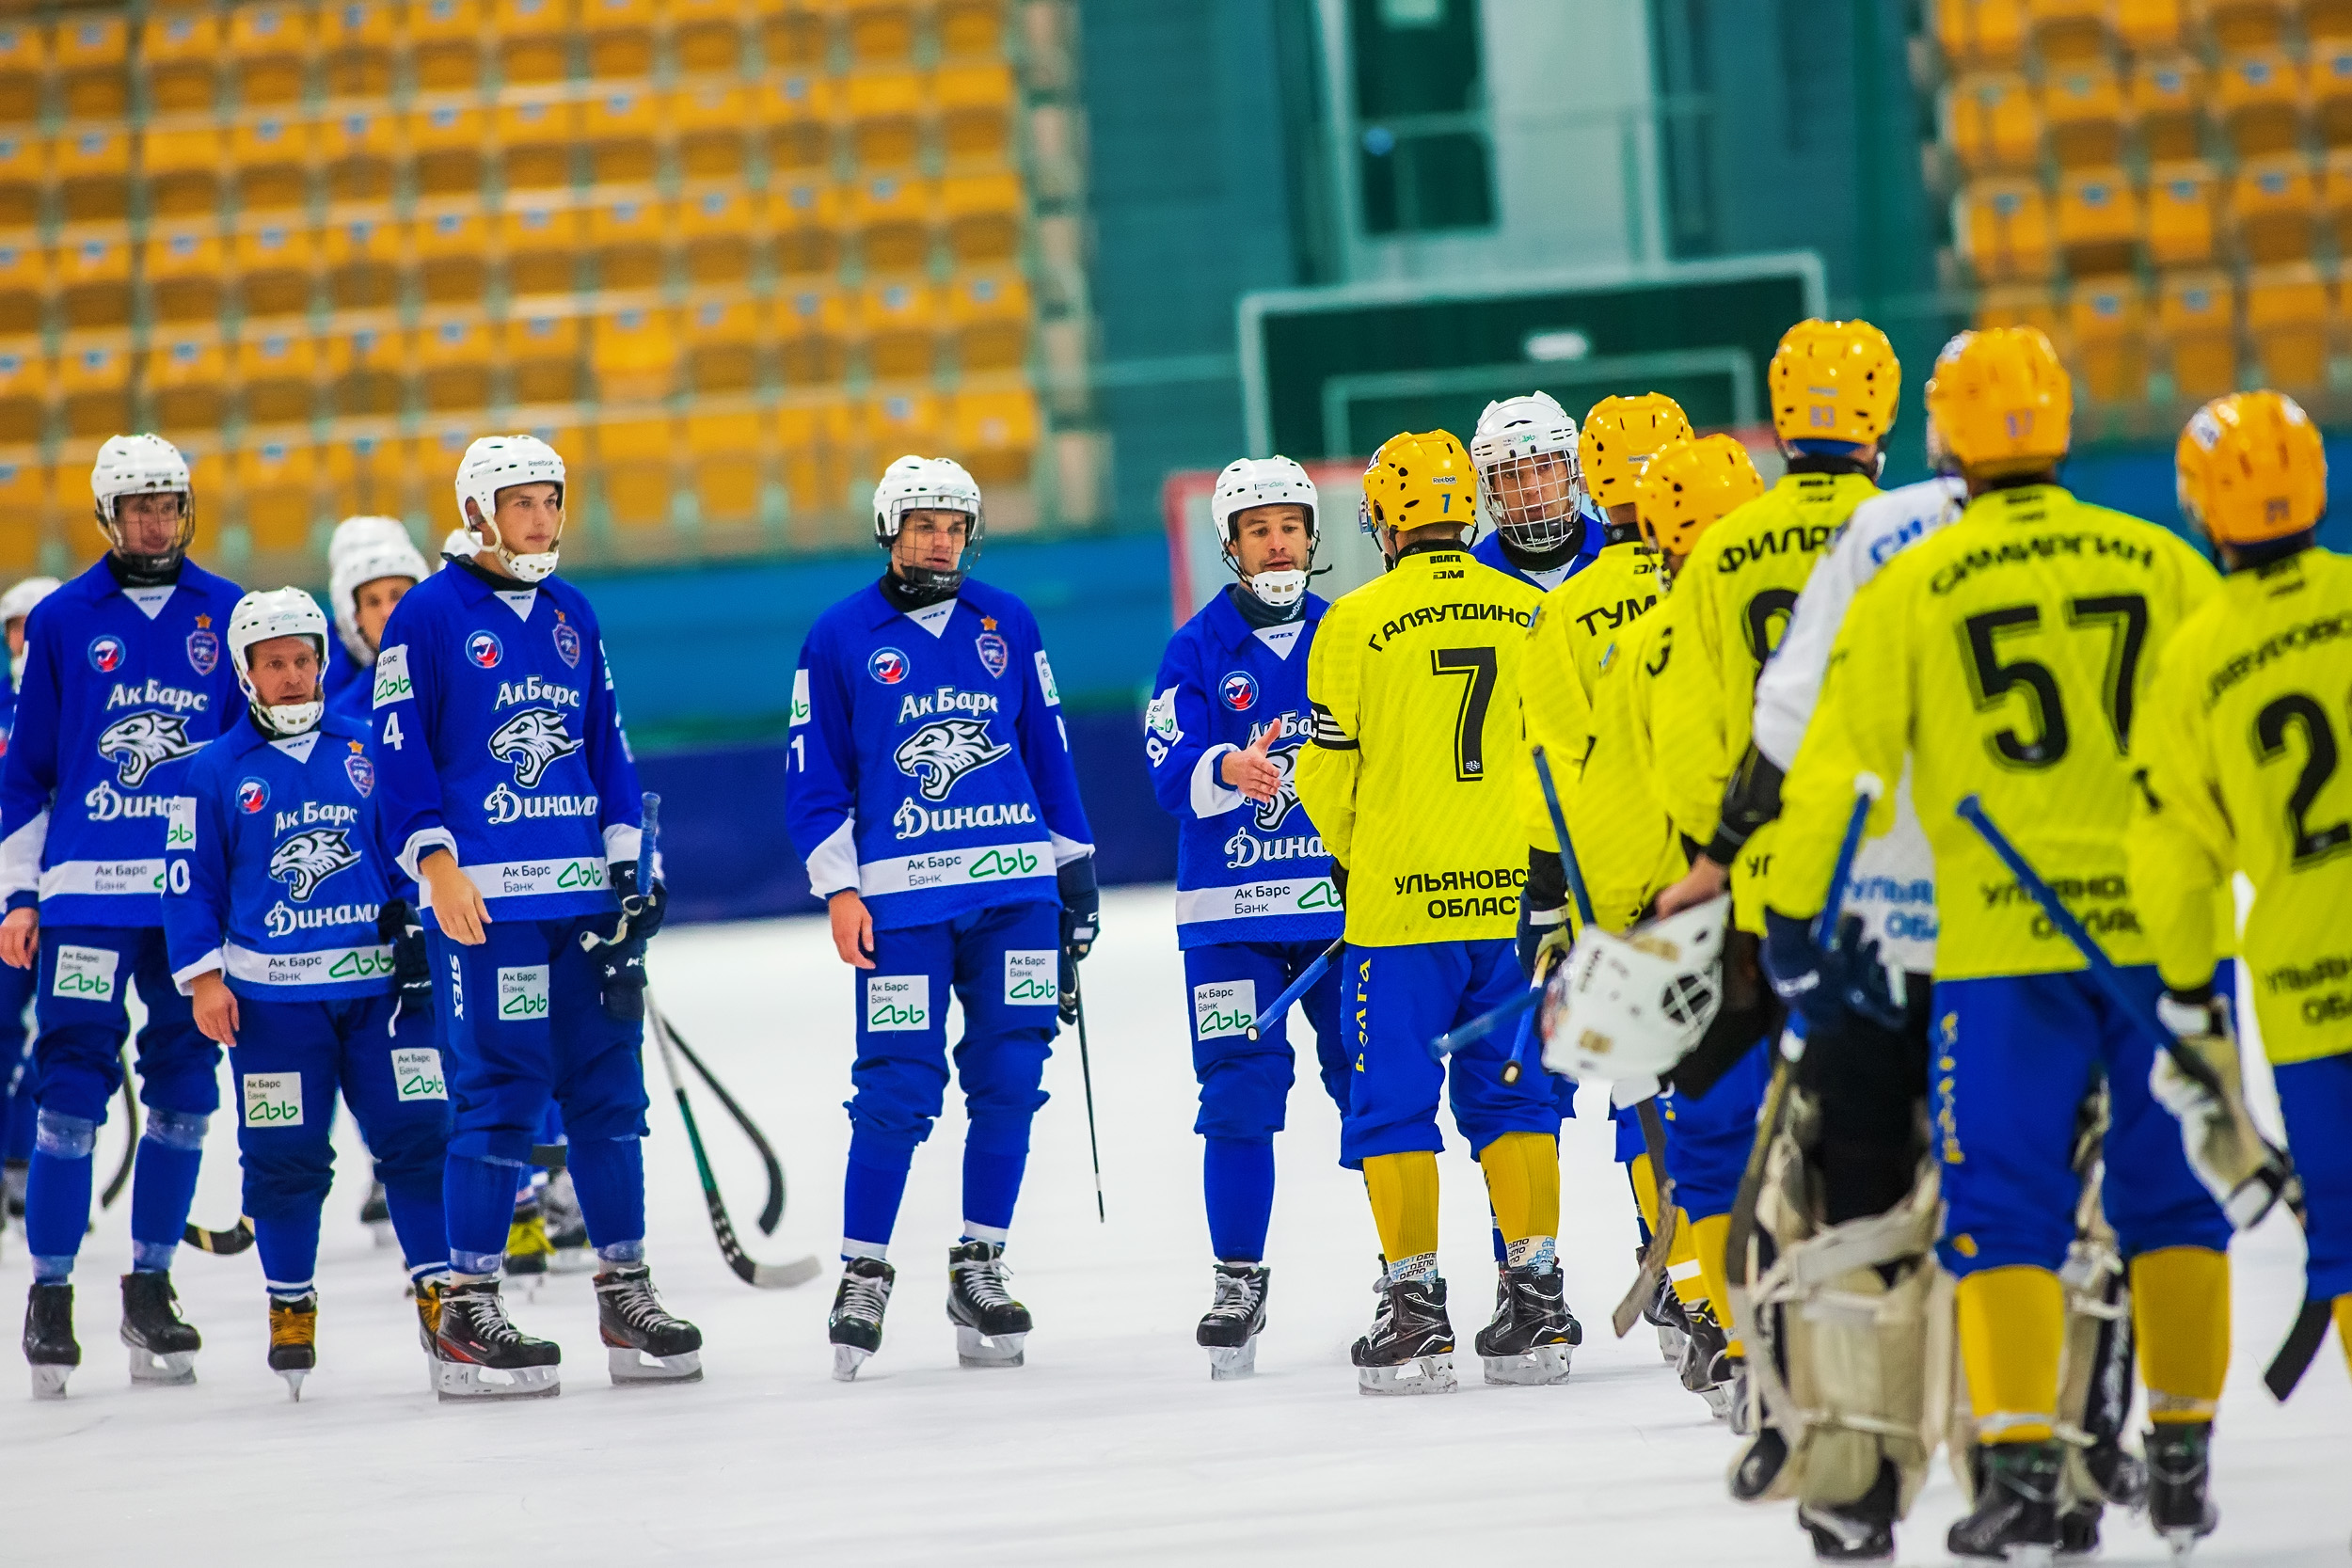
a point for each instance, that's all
(995, 435)
(899, 322)
(814, 463)
(93, 39)
(27, 501)
(445, 42)
(975, 108)
(453, 248)
(892, 218)
(360, 147)
(633, 463)
(2327, 20)
(94, 384)
(620, 37)
(2259, 98)
(990, 317)
(2288, 312)
(358, 25)
(809, 230)
(970, 28)
(544, 353)
(2107, 326)
(263, 28)
(180, 162)
(539, 242)
(21, 172)
(534, 139)
(2335, 197)
(2021, 307)
(797, 114)
(453, 356)
(20, 44)
(532, 39)
(362, 366)
(622, 125)
(445, 144)
(271, 153)
(706, 35)
(188, 374)
(2098, 220)
(20, 98)
(881, 32)
(2240, 24)
(25, 280)
(2167, 99)
(184, 263)
(275, 479)
(179, 52)
(634, 353)
(91, 164)
(360, 71)
(792, 39)
(2003, 229)
(982, 214)
(2331, 91)
(813, 330)
(722, 340)
(279, 371)
(362, 474)
(273, 263)
(24, 379)
(2067, 32)
(626, 235)
(2083, 106)
(722, 226)
(2272, 203)
(884, 111)
(726, 456)
(442, 20)
(93, 276)
(2197, 314)
(2180, 213)
(897, 423)
(707, 119)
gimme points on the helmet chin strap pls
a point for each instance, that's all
(533, 567)
(287, 721)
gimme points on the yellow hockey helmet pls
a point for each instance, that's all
(2001, 402)
(1690, 486)
(1418, 479)
(1620, 433)
(2251, 467)
(1833, 381)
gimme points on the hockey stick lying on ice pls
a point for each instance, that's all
(1297, 989)
(2310, 1322)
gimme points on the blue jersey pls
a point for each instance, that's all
(498, 737)
(348, 683)
(930, 765)
(121, 687)
(276, 868)
(1489, 550)
(1245, 871)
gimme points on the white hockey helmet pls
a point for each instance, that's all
(1633, 1006)
(259, 617)
(142, 466)
(460, 546)
(362, 550)
(1277, 481)
(929, 484)
(1530, 482)
(496, 462)
(19, 600)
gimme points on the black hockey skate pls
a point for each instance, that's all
(1705, 1361)
(1859, 1531)
(644, 1340)
(566, 1226)
(376, 1215)
(856, 1323)
(991, 1326)
(293, 1340)
(2016, 1517)
(1228, 1331)
(163, 1344)
(1665, 1313)
(2179, 1472)
(49, 1345)
(1410, 1348)
(1533, 1333)
(479, 1354)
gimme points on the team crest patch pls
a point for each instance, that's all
(887, 665)
(252, 794)
(484, 650)
(361, 774)
(1238, 691)
(204, 646)
(567, 643)
(994, 656)
(106, 653)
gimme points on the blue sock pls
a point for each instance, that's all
(417, 1220)
(609, 1179)
(1237, 1180)
(163, 1185)
(289, 1244)
(478, 1197)
(56, 1206)
(869, 1206)
(992, 1185)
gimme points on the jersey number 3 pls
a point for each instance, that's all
(2123, 616)
(1476, 666)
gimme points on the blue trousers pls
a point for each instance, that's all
(2317, 1099)
(16, 1062)
(1246, 1084)
(1402, 998)
(1708, 1137)
(85, 972)
(2013, 1058)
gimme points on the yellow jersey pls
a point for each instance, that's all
(1413, 683)
(2006, 656)
(1625, 844)
(2243, 741)
(1741, 585)
(1575, 626)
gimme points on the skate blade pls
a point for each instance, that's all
(1424, 1374)
(385, 1238)
(463, 1380)
(294, 1377)
(1718, 1399)
(2180, 1542)
(1670, 1343)
(2031, 1557)
(1539, 1368)
(847, 1359)
(1229, 1362)
(630, 1364)
(574, 1259)
(975, 1349)
(49, 1382)
(174, 1370)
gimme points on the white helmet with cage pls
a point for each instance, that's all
(1529, 481)
(934, 484)
(1249, 482)
(259, 617)
(142, 466)
(496, 462)
(1631, 1006)
(362, 550)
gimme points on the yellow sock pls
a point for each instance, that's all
(1682, 1264)
(2342, 1313)
(2013, 1322)
(2181, 1310)
(1523, 1184)
(1708, 1236)
(1404, 1193)
(1645, 1188)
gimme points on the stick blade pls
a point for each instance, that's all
(784, 1276)
(2301, 1348)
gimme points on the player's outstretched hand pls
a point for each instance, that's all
(1704, 880)
(216, 1009)
(1252, 771)
(853, 929)
(457, 904)
(20, 938)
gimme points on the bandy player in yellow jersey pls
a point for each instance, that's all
(2006, 657)
(1413, 685)
(2244, 737)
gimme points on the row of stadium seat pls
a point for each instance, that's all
(2211, 333)
(2001, 32)
(2092, 114)
(2271, 210)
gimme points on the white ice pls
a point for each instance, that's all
(1111, 1445)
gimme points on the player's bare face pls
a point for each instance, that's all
(930, 538)
(285, 669)
(529, 517)
(371, 605)
(149, 524)
(16, 637)
(1270, 539)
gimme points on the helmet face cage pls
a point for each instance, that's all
(142, 466)
(929, 484)
(1533, 495)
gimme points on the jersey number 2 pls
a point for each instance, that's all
(1469, 721)
(2319, 766)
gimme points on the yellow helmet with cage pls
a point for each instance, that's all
(1420, 479)
(2001, 403)
(1620, 433)
(1833, 381)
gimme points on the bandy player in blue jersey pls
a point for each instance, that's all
(510, 797)
(1254, 901)
(932, 792)
(126, 677)
(16, 985)
(1545, 528)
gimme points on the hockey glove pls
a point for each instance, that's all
(644, 909)
(1081, 922)
(1828, 987)
(398, 924)
(621, 979)
(1543, 924)
(1339, 882)
(2236, 1164)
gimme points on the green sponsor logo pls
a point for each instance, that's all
(1016, 862)
(524, 1005)
(260, 1111)
(361, 963)
(889, 1015)
(422, 1085)
(580, 874)
(1323, 895)
(1026, 990)
(72, 984)
(1216, 1021)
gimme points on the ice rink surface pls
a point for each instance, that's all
(1110, 1446)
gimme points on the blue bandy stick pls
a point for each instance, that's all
(1868, 787)
(1298, 988)
(1485, 1024)
(1569, 863)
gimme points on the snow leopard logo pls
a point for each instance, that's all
(945, 750)
(309, 858)
(1270, 813)
(533, 740)
(144, 742)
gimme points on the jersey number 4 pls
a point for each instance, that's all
(2124, 619)
(2297, 712)
(1476, 669)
